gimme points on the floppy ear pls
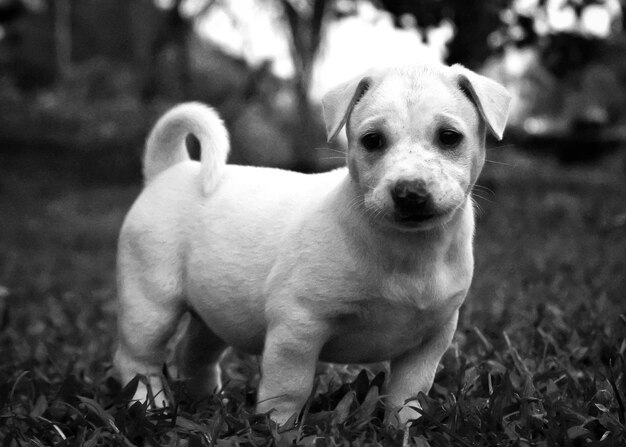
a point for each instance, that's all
(337, 104)
(491, 99)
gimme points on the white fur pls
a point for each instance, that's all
(301, 268)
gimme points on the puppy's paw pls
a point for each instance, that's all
(150, 390)
(403, 416)
(285, 416)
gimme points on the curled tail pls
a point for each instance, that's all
(166, 144)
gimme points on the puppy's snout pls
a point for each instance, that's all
(411, 197)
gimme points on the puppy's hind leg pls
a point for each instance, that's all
(148, 316)
(197, 356)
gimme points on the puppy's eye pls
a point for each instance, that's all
(373, 141)
(449, 138)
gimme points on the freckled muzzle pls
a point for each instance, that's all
(420, 203)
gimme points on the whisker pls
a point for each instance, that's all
(500, 163)
(479, 210)
(482, 197)
(354, 203)
(332, 158)
(330, 149)
(485, 189)
(502, 146)
(478, 185)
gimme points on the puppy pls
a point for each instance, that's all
(362, 264)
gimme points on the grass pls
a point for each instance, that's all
(538, 358)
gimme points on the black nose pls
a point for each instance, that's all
(410, 197)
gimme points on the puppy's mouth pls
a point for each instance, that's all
(420, 220)
(405, 218)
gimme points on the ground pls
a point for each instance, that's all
(538, 358)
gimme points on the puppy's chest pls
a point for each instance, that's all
(422, 284)
(418, 290)
(378, 330)
(389, 314)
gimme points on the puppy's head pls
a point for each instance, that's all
(416, 138)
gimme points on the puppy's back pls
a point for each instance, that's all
(241, 222)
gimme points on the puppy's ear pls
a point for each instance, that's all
(339, 102)
(491, 99)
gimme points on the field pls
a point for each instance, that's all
(538, 359)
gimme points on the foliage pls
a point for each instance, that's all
(553, 385)
(473, 20)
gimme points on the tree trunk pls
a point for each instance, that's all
(179, 28)
(306, 31)
(63, 36)
(154, 31)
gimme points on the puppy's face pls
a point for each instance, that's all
(416, 145)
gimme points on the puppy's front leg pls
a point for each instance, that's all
(415, 370)
(292, 347)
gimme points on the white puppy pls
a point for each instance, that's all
(363, 264)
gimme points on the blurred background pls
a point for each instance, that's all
(82, 81)
(87, 78)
